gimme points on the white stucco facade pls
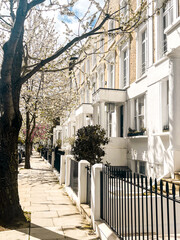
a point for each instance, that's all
(148, 103)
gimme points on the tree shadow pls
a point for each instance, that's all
(43, 233)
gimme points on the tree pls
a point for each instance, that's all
(42, 101)
(89, 144)
(16, 71)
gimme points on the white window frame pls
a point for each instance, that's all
(161, 29)
(110, 110)
(164, 104)
(94, 57)
(137, 115)
(87, 95)
(82, 73)
(88, 66)
(111, 61)
(111, 75)
(159, 35)
(101, 78)
(168, 13)
(78, 79)
(82, 94)
(111, 25)
(124, 49)
(101, 73)
(139, 59)
(144, 53)
(101, 45)
(94, 83)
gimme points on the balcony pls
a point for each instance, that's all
(85, 108)
(109, 95)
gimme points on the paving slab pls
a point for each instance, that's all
(46, 233)
(53, 215)
(21, 234)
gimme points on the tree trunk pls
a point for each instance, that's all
(27, 154)
(10, 209)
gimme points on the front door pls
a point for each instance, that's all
(121, 120)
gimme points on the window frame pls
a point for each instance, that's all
(164, 104)
(110, 110)
(139, 70)
(88, 66)
(111, 34)
(161, 39)
(82, 73)
(124, 49)
(137, 115)
(101, 46)
(94, 56)
(82, 96)
(144, 52)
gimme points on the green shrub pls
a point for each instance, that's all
(89, 144)
(59, 143)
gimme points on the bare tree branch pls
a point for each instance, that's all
(3, 20)
(34, 3)
(11, 10)
(62, 50)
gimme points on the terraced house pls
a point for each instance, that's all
(129, 84)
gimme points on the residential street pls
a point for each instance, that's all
(53, 215)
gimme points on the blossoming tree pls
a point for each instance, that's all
(20, 64)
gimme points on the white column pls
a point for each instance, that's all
(102, 115)
(62, 169)
(95, 114)
(174, 112)
(82, 181)
(95, 192)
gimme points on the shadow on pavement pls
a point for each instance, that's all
(41, 233)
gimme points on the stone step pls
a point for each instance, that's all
(170, 183)
(177, 175)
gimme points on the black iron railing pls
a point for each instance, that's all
(135, 207)
(74, 175)
(50, 155)
(57, 160)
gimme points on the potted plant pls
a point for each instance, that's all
(134, 132)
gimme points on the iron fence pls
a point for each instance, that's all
(50, 155)
(74, 175)
(57, 160)
(135, 207)
(88, 193)
(44, 153)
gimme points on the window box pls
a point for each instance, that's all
(134, 132)
(166, 128)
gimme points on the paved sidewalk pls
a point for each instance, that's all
(53, 215)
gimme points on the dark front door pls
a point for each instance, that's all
(121, 120)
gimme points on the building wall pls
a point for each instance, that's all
(156, 152)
